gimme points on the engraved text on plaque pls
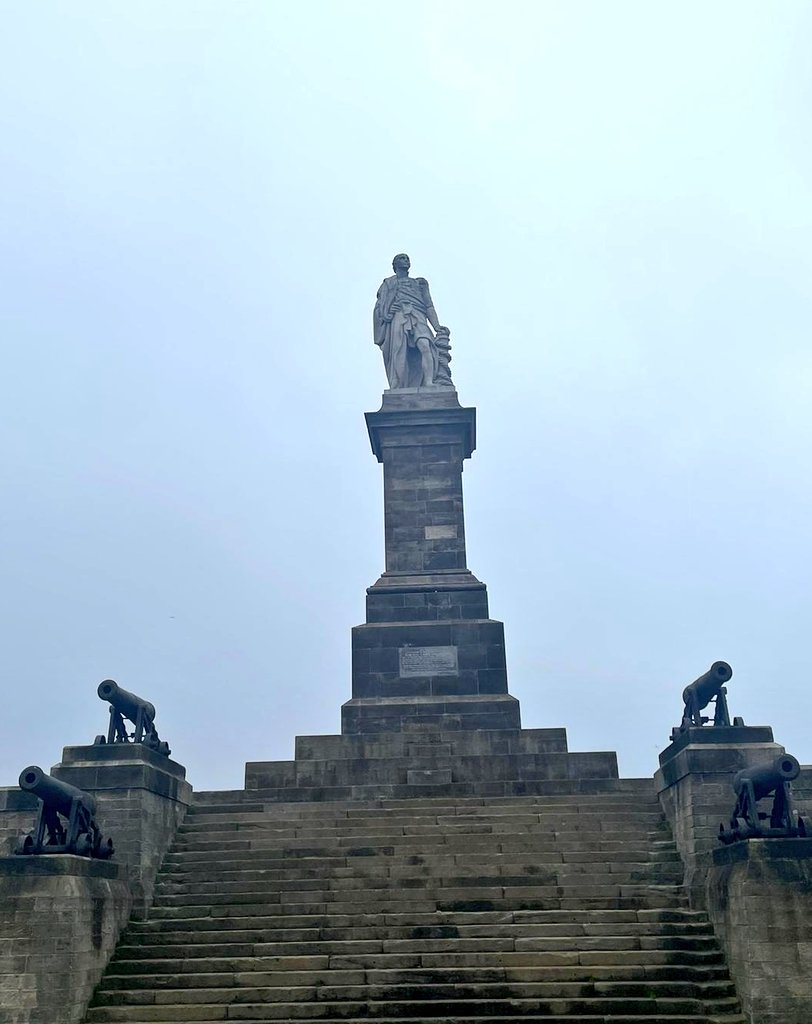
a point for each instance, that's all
(428, 661)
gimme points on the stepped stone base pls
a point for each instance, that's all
(431, 761)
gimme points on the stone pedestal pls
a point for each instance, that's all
(142, 797)
(759, 898)
(60, 919)
(428, 656)
(430, 714)
(694, 784)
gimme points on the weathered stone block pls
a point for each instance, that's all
(142, 798)
(60, 920)
(759, 898)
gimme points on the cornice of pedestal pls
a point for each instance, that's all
(438, 580)
(421, 416)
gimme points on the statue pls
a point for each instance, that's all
(415, 356)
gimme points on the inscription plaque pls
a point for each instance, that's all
(428, 661)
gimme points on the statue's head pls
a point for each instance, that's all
(401, 261)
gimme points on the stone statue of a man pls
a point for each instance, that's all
(413, 354)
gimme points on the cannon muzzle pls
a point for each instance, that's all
(705, 688)
(126, 703)
(54, 793)
(768, 777)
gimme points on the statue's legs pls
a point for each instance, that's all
(427, 360)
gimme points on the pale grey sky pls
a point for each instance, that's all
(198, 201)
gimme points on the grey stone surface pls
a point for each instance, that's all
(17, 813)
(142, 798)
(694, 783)
(444, 909)
(459, 761)
(414, 345)
(759, 898)
(422, 451)
(60, 920)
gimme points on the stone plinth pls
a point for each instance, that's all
(142, 797)
(694, 783)
(759, 898)
(457, 763)
(60, 919)
(428, 654)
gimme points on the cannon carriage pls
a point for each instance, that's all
(756, 783)
(127, 706)
(79, 833)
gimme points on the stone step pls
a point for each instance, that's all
(579, 998)
(539, 784)
(560, 875)
(374, 952)
(304, 813)
(267, 816)
(673, 1010)
(569, 938)
(640, 900)
(449, 816)
(369, 859)
(356, 809)
(505, 941)
(441, 841)
(725, 1018)
(363, 845)
(316, 867)
(556, 981)
(394, 890)
(282, 971)
(490, 921)
(589, 922)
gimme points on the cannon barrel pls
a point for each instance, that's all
(706, 687)
(53, 792)
(126, 703)
(767, 777)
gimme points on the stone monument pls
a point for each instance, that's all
(428, 652)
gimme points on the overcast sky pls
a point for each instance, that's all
(198, 200)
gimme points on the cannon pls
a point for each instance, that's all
(126, 705)
(708, 687)
(80, 834)
(754, 784)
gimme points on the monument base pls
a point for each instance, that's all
(414, 762)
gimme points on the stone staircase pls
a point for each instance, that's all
(442, 909)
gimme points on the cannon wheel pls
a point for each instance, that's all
(84, 844)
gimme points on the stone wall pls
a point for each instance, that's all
(60, 919)
(759, 898)
(696, 793)
(141, 798)
(18, 812)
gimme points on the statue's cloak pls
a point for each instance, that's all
(382, 318)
